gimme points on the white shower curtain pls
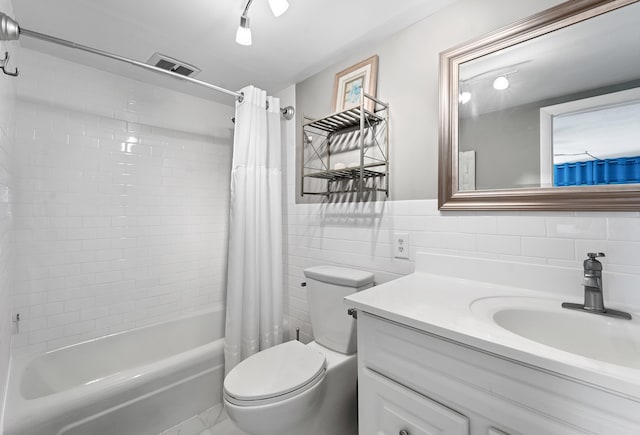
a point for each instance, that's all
(255, 263)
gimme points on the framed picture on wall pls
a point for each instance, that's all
(351, 82)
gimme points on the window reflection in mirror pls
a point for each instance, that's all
(559, 110)
(594, 141)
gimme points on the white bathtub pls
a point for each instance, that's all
(136, 382)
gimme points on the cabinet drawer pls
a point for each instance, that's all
(390, 408)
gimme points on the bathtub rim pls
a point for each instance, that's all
(49, 406)
(27, 357)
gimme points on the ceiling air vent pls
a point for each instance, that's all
(173, 65)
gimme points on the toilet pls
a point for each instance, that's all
(293, 388)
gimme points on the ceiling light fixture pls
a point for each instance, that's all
(464, 97)
(243, 34)
(278, 7)
(501, 83)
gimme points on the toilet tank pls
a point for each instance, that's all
(327, 287)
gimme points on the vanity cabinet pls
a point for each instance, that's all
(413, 382)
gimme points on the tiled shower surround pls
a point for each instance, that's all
(7, 145)
(122, 203)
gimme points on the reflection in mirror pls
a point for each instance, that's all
(558, 110)
(594, 141)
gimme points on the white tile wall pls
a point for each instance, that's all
(122, 202)
(7, 110)
(361, 236)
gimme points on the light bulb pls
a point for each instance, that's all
(243, 34)
(464, 97)
(278, 7)
(501, 83)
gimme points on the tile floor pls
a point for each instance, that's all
(213, 421)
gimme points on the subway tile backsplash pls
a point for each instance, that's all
(121, 203)
(362, 237)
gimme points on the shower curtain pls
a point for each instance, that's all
(255, 264)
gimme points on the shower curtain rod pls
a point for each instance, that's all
(10, 30)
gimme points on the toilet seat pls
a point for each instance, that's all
(275, 374)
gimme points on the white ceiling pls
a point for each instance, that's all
(309, 37)
(592, 54)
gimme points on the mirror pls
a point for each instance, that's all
(545, 114)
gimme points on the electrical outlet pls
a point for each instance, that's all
(401, 245)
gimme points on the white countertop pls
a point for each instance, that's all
(444, 304)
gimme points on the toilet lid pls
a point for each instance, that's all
(274, 372)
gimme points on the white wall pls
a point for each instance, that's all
(287, 98)
(7, 143)
(507, 146)
(408, 81)
(122, 210)
(360, 234)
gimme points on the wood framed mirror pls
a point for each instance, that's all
(544, 114)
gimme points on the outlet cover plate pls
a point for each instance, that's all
(401, 245)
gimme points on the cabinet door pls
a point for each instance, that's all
(388, 408)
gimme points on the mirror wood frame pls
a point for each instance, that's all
(596, 198)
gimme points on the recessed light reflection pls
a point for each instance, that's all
(501, 83)
(464, 97)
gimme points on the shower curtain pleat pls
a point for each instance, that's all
(255, 265)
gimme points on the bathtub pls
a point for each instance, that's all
(136, 382)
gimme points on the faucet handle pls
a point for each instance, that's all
(594, 255)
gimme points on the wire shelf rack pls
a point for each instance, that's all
(363, 132)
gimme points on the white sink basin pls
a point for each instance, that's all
(611, 340)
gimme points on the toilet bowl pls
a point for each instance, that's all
(282, 402)
(298, 389)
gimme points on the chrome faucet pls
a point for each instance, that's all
(592, 282)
